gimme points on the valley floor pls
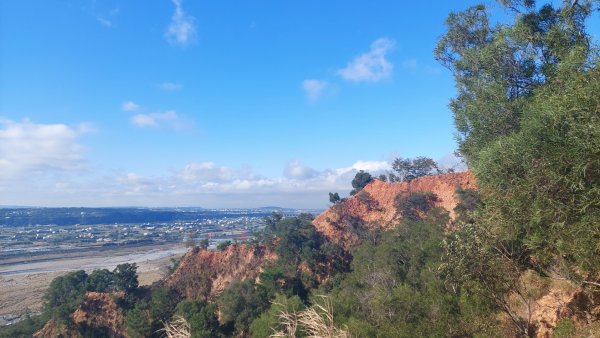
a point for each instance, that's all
(23, 280)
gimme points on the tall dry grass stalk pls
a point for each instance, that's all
(177, 328)
(315, 321)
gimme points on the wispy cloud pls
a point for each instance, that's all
(182, 29)
(168, 120)
(106, 19)
(371, 66)
(130, 106)
(314, 89)
(32, 148)
(170, 86)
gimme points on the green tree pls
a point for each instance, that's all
(409, 169)
(201, 316)
(268, 322)
(204, 243)
(101, 281)
(361, 179)
(64, 294)
(223, 245)
(138, 321)
(334, 198)
(413, 206)
(497, 68)
(240, 304)
(528, 124)
(161, 306)
(394, 290)
(126, 278)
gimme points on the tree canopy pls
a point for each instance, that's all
(361, 179)
(409, 169)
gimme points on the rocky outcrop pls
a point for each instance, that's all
(99, 312)
(204, 274)
(97, 316)
(373, 207)
(52, 329)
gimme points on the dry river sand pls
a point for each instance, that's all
(22, 284)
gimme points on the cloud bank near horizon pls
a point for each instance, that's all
(46, 165)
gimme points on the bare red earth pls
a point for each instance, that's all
(374, 205)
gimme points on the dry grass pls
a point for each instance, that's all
(177, 328)
(315, 321)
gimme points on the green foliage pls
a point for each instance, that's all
(173, 265)
(544, 181)
(469, 201)
(223, 245)
(161, 307)
(361, 179)
(394, 289)
(203, 243)
(565, 328)
(299, 243)
(240, 304)
(334, 198)
(64, 294)
(498, 68)
(138, 321)
(24, 328)
(528, 121)
(268, 321)
(201, 316)
(408, 169)
(126, 278)
(100, 281)
(412, 206)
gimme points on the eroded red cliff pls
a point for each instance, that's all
(374, 205)
(97, 314)
(205, 274)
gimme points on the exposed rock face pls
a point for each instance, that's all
(204, 274)
(565, 301)
(552, 307)
(100, 311)
(51, 329)
(374, 205)
(97, 315)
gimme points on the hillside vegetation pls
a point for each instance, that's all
(511, 249)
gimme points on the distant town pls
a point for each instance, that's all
(32, 231)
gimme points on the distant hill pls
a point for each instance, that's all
(24, 216)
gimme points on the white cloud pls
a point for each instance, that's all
(170, 86)
(369, 166)
(168, 120)
(130, 106)
(452, 161)
(211, 185)
(296, 170)
(201, 183)
(206, 172)
(182, 29)
(30, 148)
(371, 66)
(313, 89)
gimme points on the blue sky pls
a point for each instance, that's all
(215, 103)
